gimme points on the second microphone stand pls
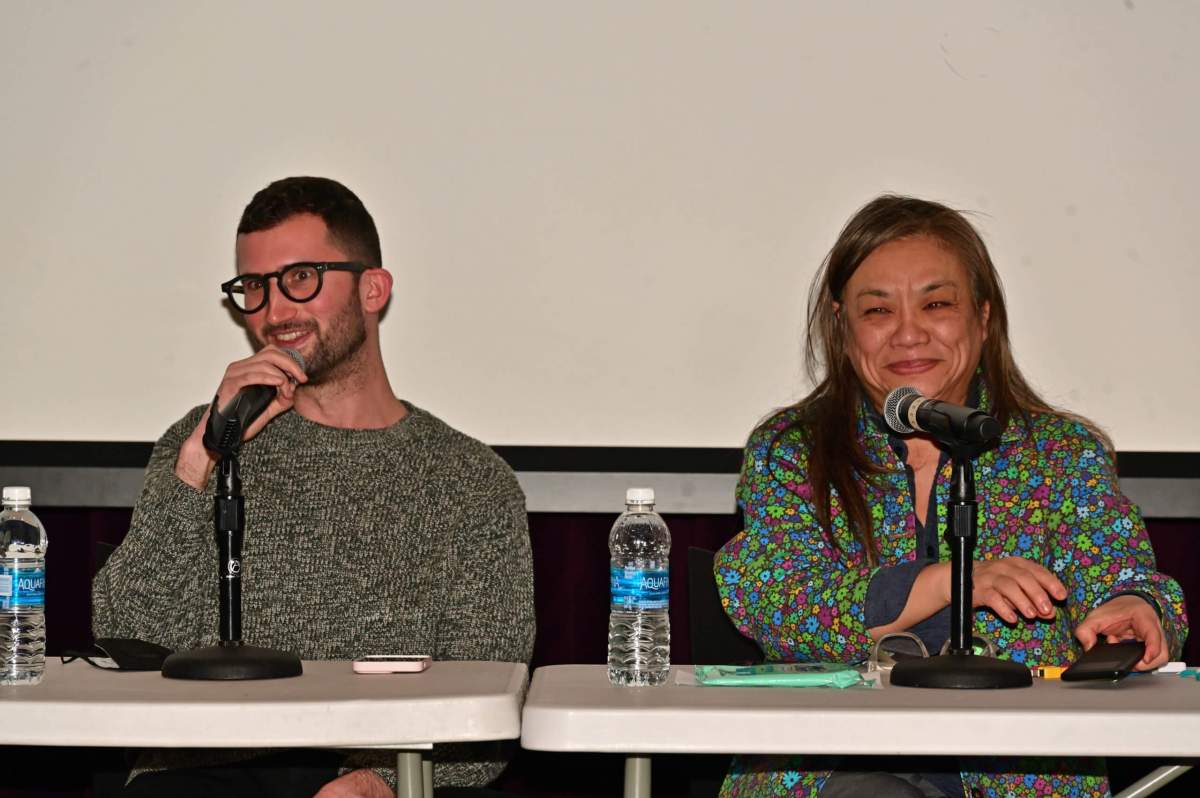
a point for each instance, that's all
(960, 667)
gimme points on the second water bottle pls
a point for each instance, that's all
(639, 628)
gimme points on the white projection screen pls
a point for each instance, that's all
(602, 218)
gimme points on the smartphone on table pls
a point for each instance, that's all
(392, 663)
(1111, 661)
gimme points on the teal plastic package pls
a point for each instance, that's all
(782, 674)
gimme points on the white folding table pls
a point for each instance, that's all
(574, 708)
(328, 706)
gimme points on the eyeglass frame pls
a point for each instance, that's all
(882, 659)
(320, 267)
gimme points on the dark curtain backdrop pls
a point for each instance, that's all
(570, 560)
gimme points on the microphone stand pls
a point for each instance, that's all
(231, 659)
(961, 668)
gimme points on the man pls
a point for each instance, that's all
(371, 526)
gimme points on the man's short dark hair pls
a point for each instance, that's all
(351, 228)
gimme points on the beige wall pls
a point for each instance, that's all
(602, 217)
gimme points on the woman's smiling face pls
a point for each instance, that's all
(911, 321)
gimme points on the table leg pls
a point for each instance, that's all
(427, 776)
(1154, 780)
(409, 777)
(637, 777)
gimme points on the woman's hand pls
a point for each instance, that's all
(1011, 585)
(1126, 618)
(1008, 585)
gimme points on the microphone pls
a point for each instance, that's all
(906, 411)
(226, 425)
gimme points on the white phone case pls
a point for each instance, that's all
(392, 663)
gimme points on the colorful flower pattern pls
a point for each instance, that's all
(1047, 492)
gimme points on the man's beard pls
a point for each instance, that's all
(336, 352)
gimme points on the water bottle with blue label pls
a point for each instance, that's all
(639, 629)
(22, 591)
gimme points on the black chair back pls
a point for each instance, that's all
(102, 552)
(715, 640)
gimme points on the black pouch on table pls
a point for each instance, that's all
(122, 654)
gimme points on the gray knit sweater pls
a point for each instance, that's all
(409, 539)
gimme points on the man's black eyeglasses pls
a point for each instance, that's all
(299, 282)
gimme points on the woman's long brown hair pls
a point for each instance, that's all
(827, 417)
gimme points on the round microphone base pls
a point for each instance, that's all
(231, 662)
(960, 672)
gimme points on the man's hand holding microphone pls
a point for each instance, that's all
(254, 391)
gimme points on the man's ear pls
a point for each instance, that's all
(374, 289)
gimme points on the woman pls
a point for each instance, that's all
(845, 519)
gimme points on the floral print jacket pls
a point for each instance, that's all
(1047, 492)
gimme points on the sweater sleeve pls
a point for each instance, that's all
(160, 581)
(781, 581)
(1101, 546)
(488, 613)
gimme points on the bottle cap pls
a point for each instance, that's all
(17, 494)
(639, 496)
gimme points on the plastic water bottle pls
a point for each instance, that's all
(22, 591)
(639, 628)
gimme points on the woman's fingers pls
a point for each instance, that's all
(1127, 617)
(1025, 587)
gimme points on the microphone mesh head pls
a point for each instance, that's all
(891, 409)
(296, 356)
(299, 358)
